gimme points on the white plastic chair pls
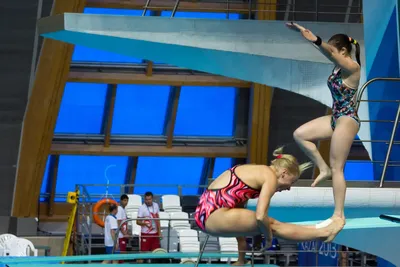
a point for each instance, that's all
(135, 201)
(21, 247)
(171, 203)
(189, 242)
(136, 229)
(5, 240)
(182, 221)
(165, 216)
(228, 245)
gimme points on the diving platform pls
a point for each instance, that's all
(372, 235)
(265, 52)
(364, 229)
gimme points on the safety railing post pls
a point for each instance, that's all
(168, 234)
(175, 8)
(389, 151)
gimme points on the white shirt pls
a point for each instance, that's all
(121, 215)
(110, 224)
(149, 212)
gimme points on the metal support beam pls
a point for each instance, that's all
(41, 115)
(131, 170)
(108, 113)
(170, 116)
(53, 173)
(158, 5)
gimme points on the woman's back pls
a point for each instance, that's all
(251, 174)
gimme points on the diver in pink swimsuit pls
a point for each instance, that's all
(235, 193)
(220, 210)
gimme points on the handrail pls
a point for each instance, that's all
(364, 86)
(391, 141)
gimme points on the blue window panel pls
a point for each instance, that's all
(82, 53)
(221, 165)
(73, 170)
(140, 109)
(82, 108)
(168, 171)
(206, 111)
(359, 171)
(202, 15)
(43, 189)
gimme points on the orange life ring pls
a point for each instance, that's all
(97, 207)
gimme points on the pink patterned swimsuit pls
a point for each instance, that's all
(230, 196)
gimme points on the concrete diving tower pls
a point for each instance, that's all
(265, 52)
(364, 230)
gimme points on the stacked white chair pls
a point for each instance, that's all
(21, 247)
(135, 201)
(166, 216)
(180, 220)
(189, 242)
(228, 245)
(5, 240)
(136, 229)
(171, 203)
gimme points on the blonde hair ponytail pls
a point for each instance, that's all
(289, 162)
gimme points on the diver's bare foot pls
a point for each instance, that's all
(334, 228)
(340, 217)
(323, 175)
(240, 263)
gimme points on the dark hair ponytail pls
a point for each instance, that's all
(358, 51)
(343, 40)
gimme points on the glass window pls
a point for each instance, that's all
(169, 170)
(221, 165)
(43, 189)
(140, 109)
(102, 170)
(82, 108)
(206, 111)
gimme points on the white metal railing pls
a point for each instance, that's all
(395, 122)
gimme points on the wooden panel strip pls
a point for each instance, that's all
(134, 151)
(253, 121)
(155, 79)
(41, 115)
(260, 104)
(149, 68)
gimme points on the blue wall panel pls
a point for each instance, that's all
(382, 61)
